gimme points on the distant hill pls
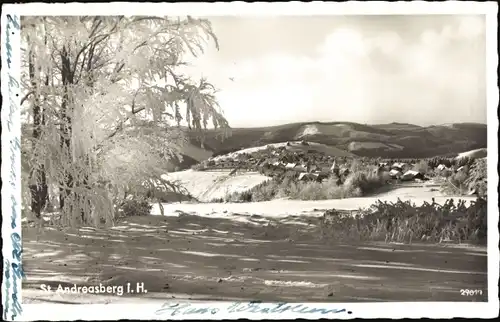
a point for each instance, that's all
(393, 140)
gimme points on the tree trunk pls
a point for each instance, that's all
(38, 188)
(82, 198)
(66, 144)
(66, 126)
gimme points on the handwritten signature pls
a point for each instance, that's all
(174, 309)
(16, 269)
(13, 268)
(11, 23)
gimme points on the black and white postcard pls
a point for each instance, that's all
(249, 160)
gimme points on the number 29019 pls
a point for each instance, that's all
(467, 292)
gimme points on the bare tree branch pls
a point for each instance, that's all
(26, 96)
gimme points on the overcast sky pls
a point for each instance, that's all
(368, 69)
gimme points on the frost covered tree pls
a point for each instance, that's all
(105, 98)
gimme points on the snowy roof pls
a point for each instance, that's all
(394, 172)
(441, 167)
(307, 175)
(398, 165)
(302, 175)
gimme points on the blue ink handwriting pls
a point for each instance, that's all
(174, 309)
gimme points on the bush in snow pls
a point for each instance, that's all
(134, 206)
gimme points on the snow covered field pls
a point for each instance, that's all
(417, 194)
(209, 185)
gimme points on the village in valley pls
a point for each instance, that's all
(301, 162)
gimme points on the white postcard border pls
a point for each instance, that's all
(11, 198)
